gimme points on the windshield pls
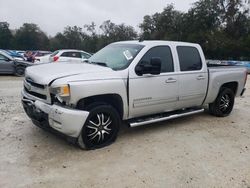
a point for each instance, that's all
(116, 56)
(54, 53)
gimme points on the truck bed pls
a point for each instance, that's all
(224, 74)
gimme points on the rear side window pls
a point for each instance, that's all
(71, 54)
(189, 58)
(162, 52)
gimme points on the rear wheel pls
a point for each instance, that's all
(101, 127)
(223, 104)
(20, 71)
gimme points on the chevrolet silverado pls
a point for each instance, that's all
(136, 82)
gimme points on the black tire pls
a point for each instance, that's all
(223, 104)
(20, 71)
(101, 127)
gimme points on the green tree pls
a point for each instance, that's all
(57, 42)
(5, 36)
(166, 25)
(113, 33)
(221, 27)
(30, 37)
(73, 37)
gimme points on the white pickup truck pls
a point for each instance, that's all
(137, 82)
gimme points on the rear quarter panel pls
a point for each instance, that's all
(222, 75)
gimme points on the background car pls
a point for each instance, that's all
(43, 59)
(244, 64)
(14, 54)
(21, 52)
(69, 56)
(41, 53)
(9, 65)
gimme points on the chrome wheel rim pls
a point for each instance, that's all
(225, 102)
(99, 129)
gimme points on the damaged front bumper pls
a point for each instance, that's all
(67, 121)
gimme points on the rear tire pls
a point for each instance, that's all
(20, 71)
(223, 104)
(101, 127)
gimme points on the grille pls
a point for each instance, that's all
(34, 84)
(41, 96)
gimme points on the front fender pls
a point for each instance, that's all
(84, 89)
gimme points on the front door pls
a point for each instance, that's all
(6, 65)
(151, 94)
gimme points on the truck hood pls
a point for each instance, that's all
(46, 73)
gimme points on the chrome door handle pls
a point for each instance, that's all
(200, 78)
(171, 80)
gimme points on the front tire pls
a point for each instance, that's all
(101, 127)
(223, 104)
(20, 71)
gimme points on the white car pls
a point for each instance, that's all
(69, 56)
(43, 59)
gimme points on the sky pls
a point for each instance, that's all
(53, 15)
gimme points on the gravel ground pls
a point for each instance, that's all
(195, 151)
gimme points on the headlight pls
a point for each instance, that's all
(62, 93)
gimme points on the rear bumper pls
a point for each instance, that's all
(66, 121)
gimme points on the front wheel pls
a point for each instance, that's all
(101, 127)
(223, 104)
(20, 71)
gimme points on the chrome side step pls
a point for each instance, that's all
(155, 119)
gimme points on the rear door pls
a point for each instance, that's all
(193, 78)
(151, 94)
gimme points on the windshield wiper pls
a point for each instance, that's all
(100, 63)
(96, 63)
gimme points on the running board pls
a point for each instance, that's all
(159, 118)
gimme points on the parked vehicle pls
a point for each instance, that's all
(134, 82)
(21, 52)
(69, 56)
(14, 54)
(9, 65)
(43, 59)
(244, 64)
(41, 53)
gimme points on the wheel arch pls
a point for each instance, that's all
(215, 88)
(114, 100)
(230, 85)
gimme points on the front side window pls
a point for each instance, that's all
(116, 56)
(162, 52)
(2, 57)
(189, 58)
(85, 56)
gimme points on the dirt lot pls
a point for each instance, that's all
(195, 151)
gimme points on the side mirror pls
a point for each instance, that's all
(144, 67)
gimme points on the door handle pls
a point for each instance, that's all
(171, 80)
(200, 78)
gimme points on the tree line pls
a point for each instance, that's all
(221, 27)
